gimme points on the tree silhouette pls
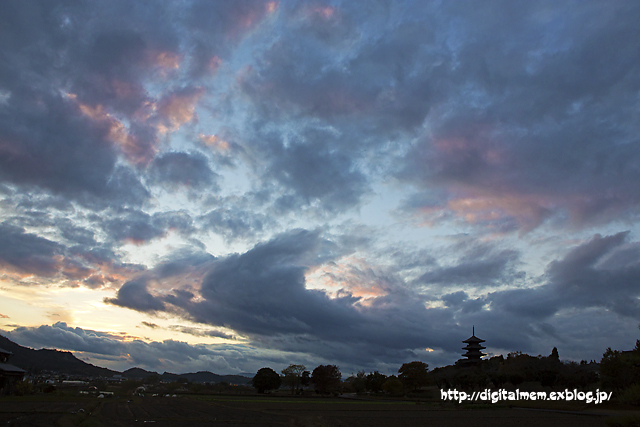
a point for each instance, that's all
(326, 378)
(266, 379)
(414, 374)
(620, 369)
(305, 379)
(358, 382)
(393, 386)
(292, 375)
(375, 381)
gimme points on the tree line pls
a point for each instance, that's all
(617, 370)
(328, 379)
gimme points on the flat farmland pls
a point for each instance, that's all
(268, 411)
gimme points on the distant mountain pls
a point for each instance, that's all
(208, 377)
(193, 377)
(138, 373)
(51, 360)
(65, 362)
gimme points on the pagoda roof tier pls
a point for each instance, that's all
(474, 347)
(474, 353)
(473, 340)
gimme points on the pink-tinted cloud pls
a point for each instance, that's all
(135, 150)
(64, 269)
(163, 63)
(125, 90)
(324, 12)
(485, 209)
(178, 108)
(166, 60)
(349, 275)
(272, 6)
(483, 179)
(156, 117)
(451, 149)
(106, 272)
(248, 16)
(214, 141)
(213, 64)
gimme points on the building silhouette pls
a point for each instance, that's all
(474, 350)
(9, 374)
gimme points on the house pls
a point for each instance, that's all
(9, 374)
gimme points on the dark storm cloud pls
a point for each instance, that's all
(69, 255)
(314, 172)
(168, 354)
(226, 20)
(313, 168)
(590, 276)
(177, 170)
(262, 291)
(139, 227)
(136, 227)
(538, 127)
(178, 272)
(30, 219)
(28, 253)
(74, 99)
(75, 234)
(200, 332)
(46, 141)
(179, 221)
(135, 295)
(384, 80)
(475, 270)
(262, 294)
(38, 203)
(59, 335)
(50, 147)
(531, 320)
(524, 109)
(150, 325)
(234, 224)
(181, 262)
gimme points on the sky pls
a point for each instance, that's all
(225, 186)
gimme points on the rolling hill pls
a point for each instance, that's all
(64, 362)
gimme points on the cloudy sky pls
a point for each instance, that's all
(226, 185)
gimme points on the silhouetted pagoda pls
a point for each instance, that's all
(474, 350)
